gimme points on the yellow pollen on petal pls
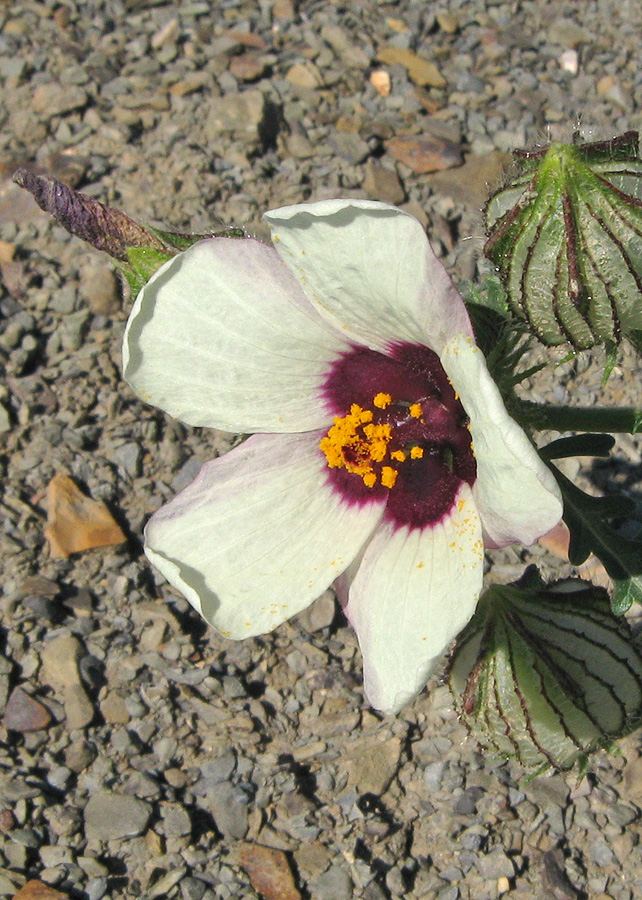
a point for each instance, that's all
(369, 479)
(416, 410)
(399, 455)
(416, 452)
(388, 476)
(381, 400)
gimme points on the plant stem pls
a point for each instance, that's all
(540, 416)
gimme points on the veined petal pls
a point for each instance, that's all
(517, 496)
(223, 336)
(258, 535)
(370, 271)
(413, 593)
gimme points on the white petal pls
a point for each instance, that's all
(223, 336)
(516, 494)
(369, 269)
(413, 593)
(258, 535)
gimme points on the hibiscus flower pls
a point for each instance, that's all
(381, 457)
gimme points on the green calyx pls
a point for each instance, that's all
(566, 238)
(546, 674)
(143, 261)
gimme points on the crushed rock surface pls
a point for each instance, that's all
(138, 763)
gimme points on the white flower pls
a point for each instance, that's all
(382, 454)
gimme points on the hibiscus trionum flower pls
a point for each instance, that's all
(381, 457)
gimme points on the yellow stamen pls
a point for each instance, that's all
(363, 415)
(416, 452)
(381, 400)
(416, 410)
(378, 436)
(354, 442)
(388, 476)
(399, 455)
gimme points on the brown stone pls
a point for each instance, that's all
(371, 762)
(54, 99)
(425, 153)
(248, 39)
(114, 709)
(7, 821)
(305, 76)
(447, 22)
(23, 713)
(283, 9)
(247, 67)
(193, 81)
(60, 658)
(420, 71)
(100, 288)
(475, 180)
(269, 872)
(382, 184)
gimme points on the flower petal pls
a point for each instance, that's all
(223, 336)
(369, 270)
(258, 535)
(516, 495)
(412, 594)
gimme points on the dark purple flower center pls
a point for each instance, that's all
(400, 433)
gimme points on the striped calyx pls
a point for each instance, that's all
(566, 238)
(547, 675)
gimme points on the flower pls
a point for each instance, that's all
(381, 456)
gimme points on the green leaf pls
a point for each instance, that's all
(587, 519)
(578, 445)
(627, 592)
(489, 294)
(612, 354)
(635, 337)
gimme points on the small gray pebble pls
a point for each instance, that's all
(448, 893)
(110, 816)
(601, 853)
(96, 888)
(335, 884)
(433, 774)
(228, 805)
(192, 889)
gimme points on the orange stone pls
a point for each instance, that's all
(38, 890)
(269, 872)
(75, 522)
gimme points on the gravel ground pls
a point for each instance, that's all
(142, 755)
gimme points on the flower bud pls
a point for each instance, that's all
(547, 675)
(566, 238)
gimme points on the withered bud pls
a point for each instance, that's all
(104, 227)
